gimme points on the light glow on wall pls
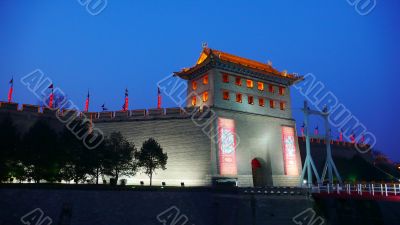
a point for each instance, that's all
(227, 147)
(289, 151)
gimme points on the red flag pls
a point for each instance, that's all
(352, 138)
(126, 104)
(159, 99)
(87, 102)
(10, 92)
(341, 136)
(51, 98)
(316, 130)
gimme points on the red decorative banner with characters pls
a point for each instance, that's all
(289, 151)
(227, 147)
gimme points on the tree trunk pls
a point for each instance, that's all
(97, 175)
(151, 179)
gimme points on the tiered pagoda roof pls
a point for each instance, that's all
(209, 55)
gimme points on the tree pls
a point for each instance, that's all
(8, 145)
(98, 160)
(119, 156)
(40, 152)
(76, 161)
(151, 157)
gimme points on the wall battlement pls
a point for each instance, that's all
(342, 144)
(109, 116)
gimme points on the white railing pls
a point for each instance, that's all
(360, 189)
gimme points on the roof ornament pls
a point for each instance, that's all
(284, 73)
(204, 45)
(269, 63)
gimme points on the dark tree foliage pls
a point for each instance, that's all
(119, 156)
(8, 147)
(41, 154)
(97, 161)
(76, 161)
(151, 157)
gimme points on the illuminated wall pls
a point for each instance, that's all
(289, 151)
(187, 146)
(227, 147)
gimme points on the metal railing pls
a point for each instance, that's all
(359, 189)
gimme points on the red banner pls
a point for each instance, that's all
(51, 100)
(289, 151)
(126, 105)
(227, 147)
(10, 94)
(87, 105)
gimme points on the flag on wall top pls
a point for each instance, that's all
(87, 102)
(51, 98)
(316, 130)
(353, 137)
(103, 107)
(341, 135)
(125, 106)
(10, 91)
(158, 98)
(302, 129)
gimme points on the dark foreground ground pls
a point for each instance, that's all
(86, 205)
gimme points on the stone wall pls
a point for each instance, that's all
(187, 146)
(131, 207)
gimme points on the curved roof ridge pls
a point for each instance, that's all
(253, 64)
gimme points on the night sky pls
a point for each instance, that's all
(134, 45)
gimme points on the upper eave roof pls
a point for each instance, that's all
(208, 54)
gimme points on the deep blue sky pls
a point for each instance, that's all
(135, 45)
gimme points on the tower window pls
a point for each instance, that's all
(250, 100)
(281, 91)
(225, 95)
(282, 105)
(238, 81)
(194, 100)
(239, 97)
(205, 79)
(271, 88)
(260, 86)
(249, 83)
(194, 85)
(205, 96)
(261, 102)
(271, 104)
(225, 78)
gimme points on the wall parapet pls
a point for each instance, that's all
(344, 144)
(105, 116)
(12, 106)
